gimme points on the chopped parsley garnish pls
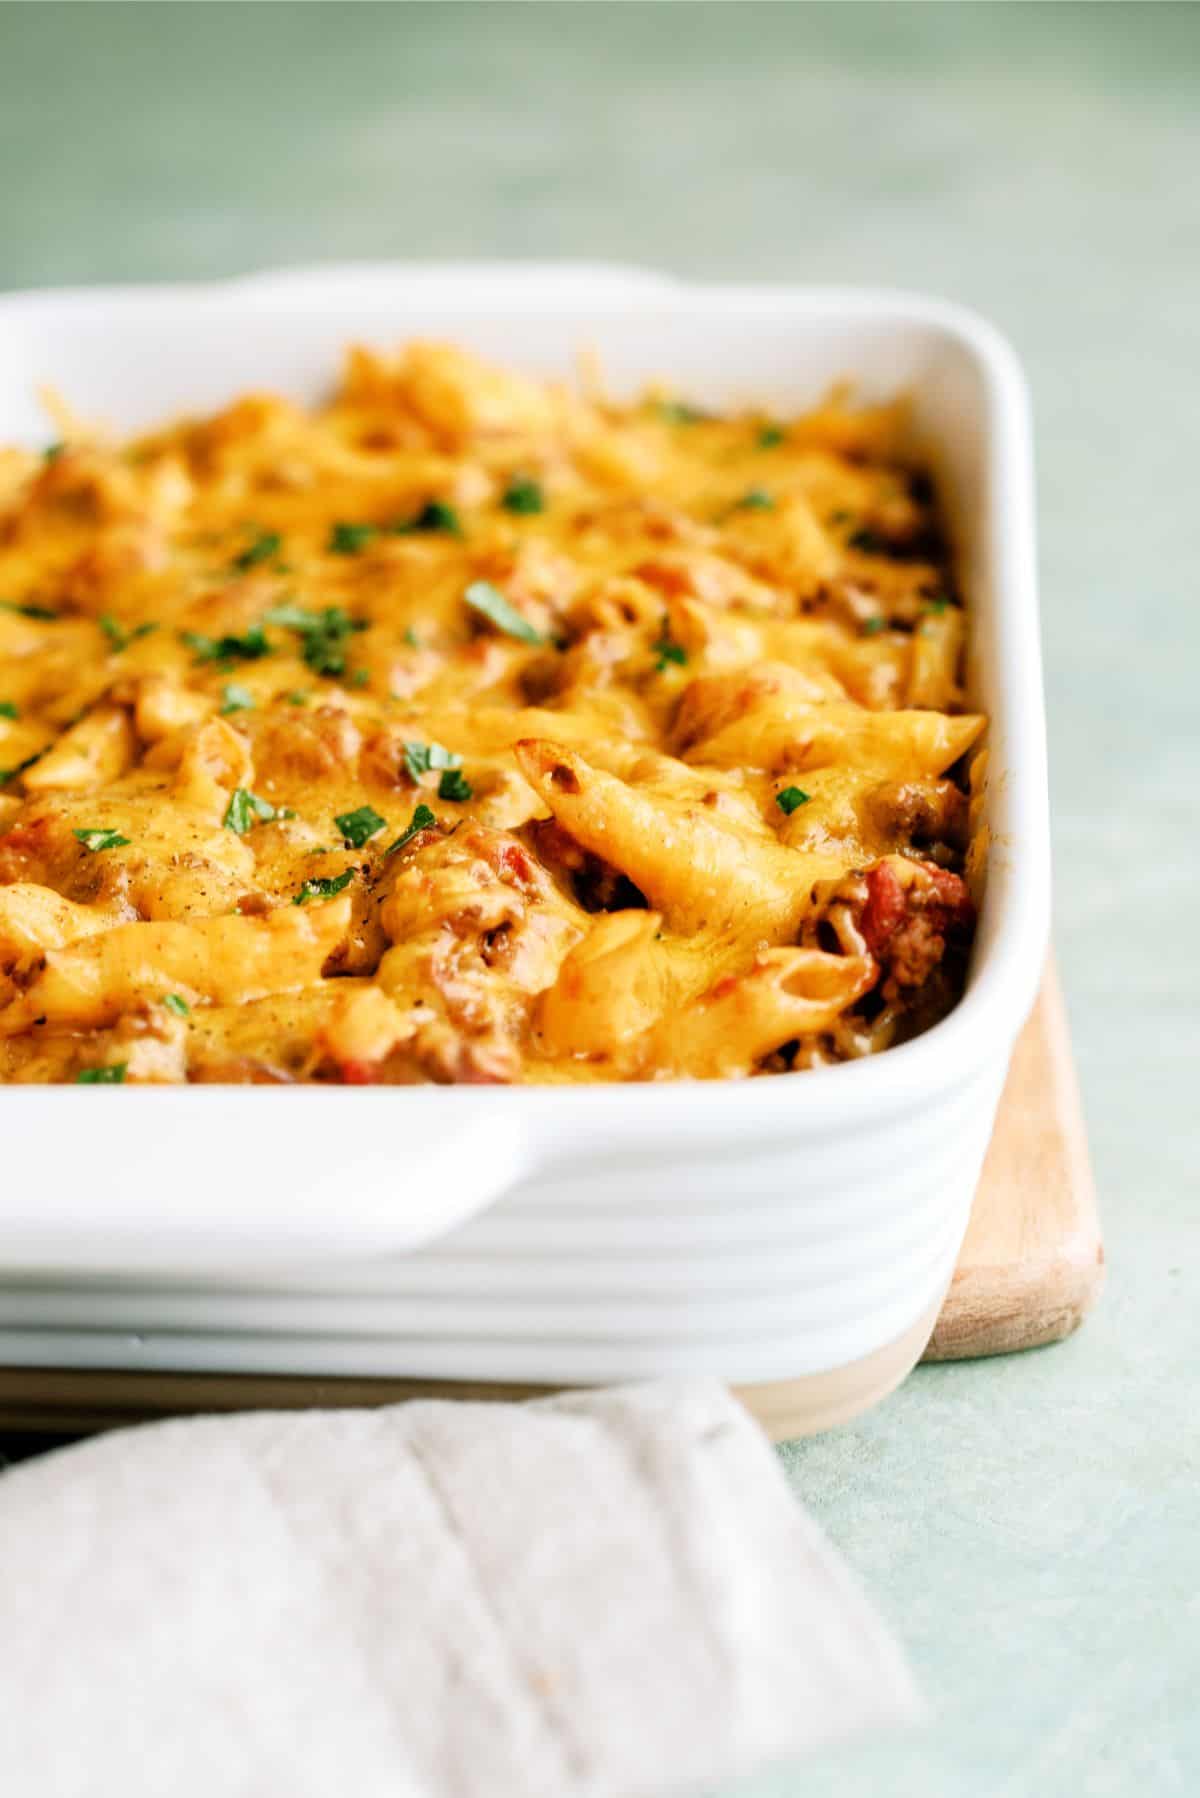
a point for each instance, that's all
(359, 677)
(873, 626)
(869, 542)
(350, 539)
(110, 1076)
(264, 546)
(487, 600)
(53, 451)
(790, 798)
(7, 774)
(26, 611)
(96, 840)
(179, 1006)
(235, 699)
(770, 437)
(453, 786)
(116, 633)
(523, 496)
(248, 648)
(678, 412)
(8, 709)
(297, 698)
(315, 887)
(756, 500)
(296, 618)
(360, 826)
(936, 606)
(436, 515)
(411, 638)
(422, 818)
(323, 635)
(245, 809)
(667, 650)
(420, 758)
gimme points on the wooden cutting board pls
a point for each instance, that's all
(1032, 1264)
(1031, 1267)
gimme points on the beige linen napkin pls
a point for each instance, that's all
(598, 1596)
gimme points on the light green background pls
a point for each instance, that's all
(1030, 1526)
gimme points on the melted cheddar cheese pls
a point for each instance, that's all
(469, 728)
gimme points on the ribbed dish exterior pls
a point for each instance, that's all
(749, 1267)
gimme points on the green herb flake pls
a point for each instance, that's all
(935, 607)
(791, 798)
(8, 709)
(53, 451)
(422, 819)
(323, 635)
(411, 638)
(873, 626)
(358, 827)
(756, 500)
(297, 698)
(109, 1076)
(317, 888)
(453, 786)
(98, 840)
(264, 546)
(7, 774)
(869, 542)
(294, 618)
(27, 611)
(116, 633)
(523, 496)
(350, 539)
(434, 516)
(179, 1006)
(770, 437)
(678, 412)
(250, 647)
(235, 699)
(245, 809)
(421, 758)
(666, 650)
(490, 603)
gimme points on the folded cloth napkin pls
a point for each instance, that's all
(602, 1595)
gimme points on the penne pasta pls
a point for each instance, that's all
(469, 727)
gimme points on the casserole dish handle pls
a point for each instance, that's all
(267, 1177)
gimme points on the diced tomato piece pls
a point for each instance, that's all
(885, 909)
(359, 1073)
(952, 893)
(906, 923)
(514, 861)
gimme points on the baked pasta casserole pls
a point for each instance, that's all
(470, 728)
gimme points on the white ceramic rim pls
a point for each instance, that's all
(538, 1128)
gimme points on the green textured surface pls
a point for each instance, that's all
(1030, 1526)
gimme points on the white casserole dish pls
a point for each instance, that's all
(763, 1230)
